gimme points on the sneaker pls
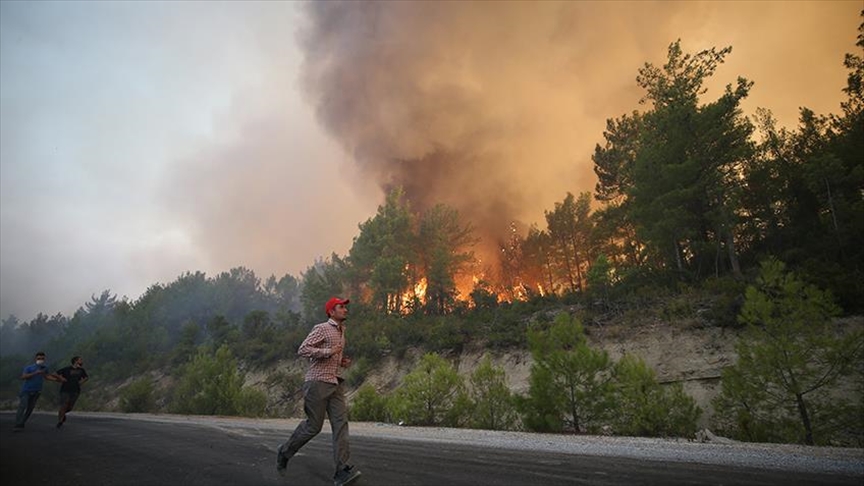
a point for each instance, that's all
(59, 424)
(346, 475)
(281, 462)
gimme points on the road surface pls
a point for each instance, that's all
(94, 449)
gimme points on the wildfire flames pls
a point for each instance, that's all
(420, 290)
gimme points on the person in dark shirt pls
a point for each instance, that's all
(34, 376)
(74, 377)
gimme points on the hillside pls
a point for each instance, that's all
(683, 351)
(692, 355)
(689, 350)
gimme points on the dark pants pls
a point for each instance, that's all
(67, 403)
(320, 398)
(26, 404)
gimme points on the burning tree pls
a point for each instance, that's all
(403, 261)
(444, 253)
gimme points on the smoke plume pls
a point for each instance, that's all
(494, 108)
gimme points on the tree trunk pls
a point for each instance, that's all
(578, 263)
(574, 411)
(550, 277)
(831, 207)
(565, 254)
(733, 254)
(805, 419)
(717, 259)
(834, 219)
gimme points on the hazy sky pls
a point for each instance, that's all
(141, 140)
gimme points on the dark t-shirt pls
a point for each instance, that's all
(73, 379)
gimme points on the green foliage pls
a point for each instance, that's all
(211, 385)
(221, 331)
(369, 406)
(444, 335)
(541, 409)
(284, 293)
(537, 270)
(640, 406)
(321, 281)
(397, 249)
(445, 253)
(251, 402)
(569, 383)
(431, 394)
(483, 296)
(360, 367)
(10, 375)
(233, 292)
(668, 175)
(260, 343)
(791, 361)
(726, 300)
(502, 327)
(678, 306)
(287, 388)
(805, 197)
(492, 403)
(368, 340)
(569, 232)
(681, 177)
(187, 343)
(574, 387)
(137, 397)
(600, 278)
(405, 333)
(383, 255)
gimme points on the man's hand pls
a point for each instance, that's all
(346, 362)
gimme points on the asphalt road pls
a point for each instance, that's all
(97, 449)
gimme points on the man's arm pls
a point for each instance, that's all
(313, 345)
(26, 376)
(60, 376)
(55, 377)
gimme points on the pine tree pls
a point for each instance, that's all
(791, 360)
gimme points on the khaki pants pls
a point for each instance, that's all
(320, 398)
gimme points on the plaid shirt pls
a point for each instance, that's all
(317, 347)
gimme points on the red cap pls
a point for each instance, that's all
(333, 303)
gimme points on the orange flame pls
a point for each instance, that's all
(420, 289)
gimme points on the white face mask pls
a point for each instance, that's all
(40, 361)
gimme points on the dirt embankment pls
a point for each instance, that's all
(694, 357)
(683, 352)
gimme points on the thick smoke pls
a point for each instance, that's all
(494, 108)
(162, 148)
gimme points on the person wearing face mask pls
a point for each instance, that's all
(34, 376)
(74, 376)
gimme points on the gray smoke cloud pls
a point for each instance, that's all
(494, 107)
(136, 147)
